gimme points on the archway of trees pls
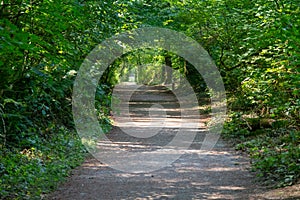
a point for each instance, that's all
(255, 45)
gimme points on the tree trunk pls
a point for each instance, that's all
(168, 70)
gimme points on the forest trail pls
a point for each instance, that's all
(221, 174)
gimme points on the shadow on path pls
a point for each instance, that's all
(217, 174)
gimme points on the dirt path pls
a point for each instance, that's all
(218, 174)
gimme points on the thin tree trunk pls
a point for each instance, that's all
(168, 69)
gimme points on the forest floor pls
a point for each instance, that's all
(221, 173)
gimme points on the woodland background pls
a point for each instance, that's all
(255, 45)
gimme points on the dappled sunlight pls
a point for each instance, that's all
(229, 188)
(217, 169)
(182, 180)
(154, 152)
(151, 129)
(157, 122)
(62, 94)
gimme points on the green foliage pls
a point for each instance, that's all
(275, 155)
(103, 105)
(236, 127)
(255, 45)
(273, 146)
(47, 48)
(30, 173)
(42, 45)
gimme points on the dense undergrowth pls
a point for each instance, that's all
(42, 44)
(30, 173)
(255, 45)
(273, 146)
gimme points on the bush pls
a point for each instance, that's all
(275, 155)
(30, 173)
